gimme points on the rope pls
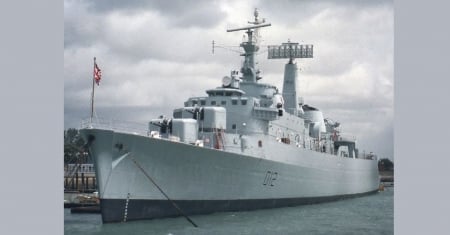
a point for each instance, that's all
(165, 195)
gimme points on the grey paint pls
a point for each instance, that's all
(253, 148)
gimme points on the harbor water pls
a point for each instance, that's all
(373, 214)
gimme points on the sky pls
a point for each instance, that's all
(155, 54)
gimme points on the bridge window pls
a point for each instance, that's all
(202, 102)
(244, 102)
(213, 102)
(234, 102)
(223, 102)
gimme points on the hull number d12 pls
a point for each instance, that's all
(270, 178)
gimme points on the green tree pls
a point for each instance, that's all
(72, 136)
(385, 164)
(74, 151)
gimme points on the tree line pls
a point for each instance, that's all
(385, 164)
(74, 147)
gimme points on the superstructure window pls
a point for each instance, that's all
(202, 102)
(244, 102)
(223, 102)
(177, 114)
(234, 102)
(213, 102)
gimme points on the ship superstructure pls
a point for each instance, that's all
(244, 145)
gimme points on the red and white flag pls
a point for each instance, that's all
(97, 74)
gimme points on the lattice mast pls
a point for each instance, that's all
(251, 46)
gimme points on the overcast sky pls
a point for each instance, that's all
(156, 54)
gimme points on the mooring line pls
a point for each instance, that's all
(154, 183)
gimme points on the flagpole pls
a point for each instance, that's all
(92, 95)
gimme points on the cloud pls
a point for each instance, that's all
(156, 54)
(179, 13)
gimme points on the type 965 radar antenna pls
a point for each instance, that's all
(290, 50)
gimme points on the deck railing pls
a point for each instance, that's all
(115, 125)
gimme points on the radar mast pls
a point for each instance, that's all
(251, 47)
(290, 50)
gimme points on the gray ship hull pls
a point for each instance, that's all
(203, 180)
(139, 209)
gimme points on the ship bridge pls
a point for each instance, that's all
(225, 92)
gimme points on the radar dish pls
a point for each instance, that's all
(226, 81)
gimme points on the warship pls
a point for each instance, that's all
(242, 146)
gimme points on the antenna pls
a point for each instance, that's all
(290, 50)
(229, 48)
(249, 27)
(256, 23)
(251, 47)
